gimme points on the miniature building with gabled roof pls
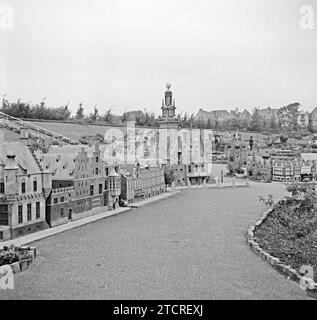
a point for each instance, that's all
(24, 187)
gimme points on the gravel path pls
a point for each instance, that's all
(191, 246)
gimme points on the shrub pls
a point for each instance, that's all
(8, 257)
(267, 201)
(13, 255)
(288, 232)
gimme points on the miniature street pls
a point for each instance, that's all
(191, 246)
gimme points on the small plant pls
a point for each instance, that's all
(13, 254)
(8, 257)
(269, 202)
(234, 167)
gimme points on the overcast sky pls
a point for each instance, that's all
(217, 54)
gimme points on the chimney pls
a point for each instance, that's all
(11, 177)
(24, 134)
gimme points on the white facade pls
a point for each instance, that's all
(303, 119)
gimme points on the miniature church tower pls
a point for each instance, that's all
(168, 119)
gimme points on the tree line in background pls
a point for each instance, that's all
(255, 122)
(38, 111)
(41, 111)
(284, 119)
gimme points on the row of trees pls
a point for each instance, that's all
(95, 116)
(38, 111)
(41, 111)
(286, 117)
(141, 118)
(25, 110)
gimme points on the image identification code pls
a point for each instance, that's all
(160, 309)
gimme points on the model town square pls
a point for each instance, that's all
(157, 150)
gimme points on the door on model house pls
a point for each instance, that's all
(70, 211)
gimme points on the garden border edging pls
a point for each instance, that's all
(275, 262)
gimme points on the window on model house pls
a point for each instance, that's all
(91, 190)
(23, 186)
(55, 200)
(97, 171)
(1, 187)
(100, 188)
(20, 213)
(4, 219)
(35, 186)
(29, 211)
(38, 210)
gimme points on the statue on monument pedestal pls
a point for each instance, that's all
(168, 101)
(168, 95)
(168, 118)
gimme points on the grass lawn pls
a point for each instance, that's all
(74, 131)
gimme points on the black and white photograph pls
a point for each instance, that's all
(158, 154)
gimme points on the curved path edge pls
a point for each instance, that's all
(286, 270)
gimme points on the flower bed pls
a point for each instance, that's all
(285, 236)
(276, 239)
(288, 232)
